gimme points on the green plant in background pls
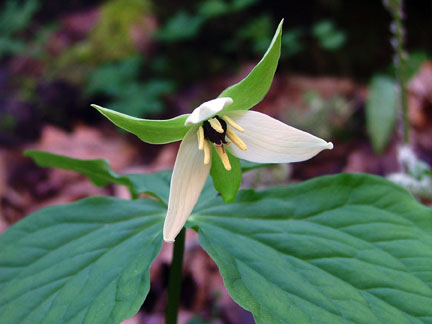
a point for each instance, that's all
(258, 31)
(128, 94)
(395, 7)
(328, 36)
(348, 248)
(185, 25)
(416, 176)
(323, 116)
(182, 26)
(292, 42)
(414, 62)
(381, 111)
(7, 123)
(15, 16)
(111, 39)
(384, 97)
(382, 103)
(108, 62)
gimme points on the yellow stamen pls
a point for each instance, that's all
(216, 125)
(223, 156)
(236, 140)
(207, 152)
(200, 134)
(233, 124)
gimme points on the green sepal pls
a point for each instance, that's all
(252, 89)
(149, 131)
(227, 183)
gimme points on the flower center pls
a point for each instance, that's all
(215, 135)
(215, 130)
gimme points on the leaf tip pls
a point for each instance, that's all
(279, 28)
(229, 198)
(27, 153)
(96, 106)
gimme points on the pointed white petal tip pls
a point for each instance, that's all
(170, 232)
(168, 240)
(207, 110)
(188, 179)
(270, 141)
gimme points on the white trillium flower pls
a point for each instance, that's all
(248, 135)
(218, 127)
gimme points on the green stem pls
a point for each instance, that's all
(175, 277)
(400, 69)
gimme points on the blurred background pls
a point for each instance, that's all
(158, 59)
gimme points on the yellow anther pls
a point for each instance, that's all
(200, 134)
(207, 152)
(236, 140)
(220, 150)
(216, 125)
(233, 124)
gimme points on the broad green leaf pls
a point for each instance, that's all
(381, 110)
(158, 185)
(154, 184)
(148, 130)
(252, 89)
(100, 173)
(338, 249)
(86, 262)
(227, 183)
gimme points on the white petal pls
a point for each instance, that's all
(207, 110)
(270, 141)
(188, 178)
